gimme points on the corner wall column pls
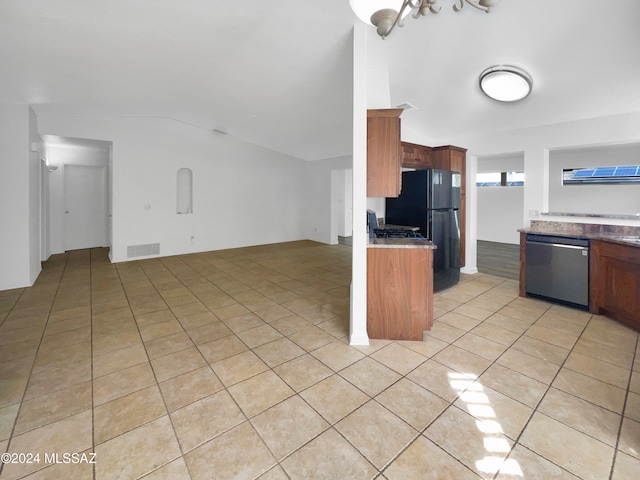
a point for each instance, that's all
(358, 331)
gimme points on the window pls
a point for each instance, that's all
(620, 174)
(500, 179)
(184, 192)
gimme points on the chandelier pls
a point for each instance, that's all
(385, 15)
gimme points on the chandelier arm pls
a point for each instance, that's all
(429, 6)
(421, 8)
(414, 3)
(425, 7)
(399, 20)
(473, 4)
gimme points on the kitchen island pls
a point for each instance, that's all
(400, 288)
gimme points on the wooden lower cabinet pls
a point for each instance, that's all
(614, 275)
(399, 292)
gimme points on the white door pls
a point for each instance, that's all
(85, 207)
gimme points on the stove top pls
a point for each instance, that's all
(396, 233)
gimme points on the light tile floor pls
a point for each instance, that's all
(236, 364)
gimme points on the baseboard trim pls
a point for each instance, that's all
(359, 340)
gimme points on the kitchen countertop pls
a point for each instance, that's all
(633, 241)
(625, 235)
(634, 216)
(401, 243)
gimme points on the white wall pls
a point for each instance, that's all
(19, 198)
(536, 143)
(346, 210)
(35, 205)
(499, 212)
(243, 194)
(587, 198)
(341, 203)
(319, 216)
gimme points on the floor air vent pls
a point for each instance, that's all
(134, 251)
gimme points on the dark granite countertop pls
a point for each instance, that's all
(401, 243)
(634, 216)
(622, 234)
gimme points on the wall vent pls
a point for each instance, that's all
(134, 251)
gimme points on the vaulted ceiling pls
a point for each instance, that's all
(278, 73)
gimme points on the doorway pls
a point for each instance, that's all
(85, 207)
(79, 194)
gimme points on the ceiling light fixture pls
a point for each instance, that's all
(505, 83)
(385, 15)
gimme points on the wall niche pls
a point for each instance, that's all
(184, 191)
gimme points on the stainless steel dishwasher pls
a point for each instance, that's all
(557, 268)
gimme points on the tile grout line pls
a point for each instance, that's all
(278, 462)
(93, 409)
(542, 397)
(624, 410)
(33, 362)
(534, 409)
(141, 267)
(450, 403)
(331, 426)
(177, 275)
(225, 388)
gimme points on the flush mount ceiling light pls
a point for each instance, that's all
(505, 83)
(387, 14)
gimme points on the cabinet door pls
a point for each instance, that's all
(614, 278)
(441, 158)
(416, 156)
(399, 293)
(383, 153)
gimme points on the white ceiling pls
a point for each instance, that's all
(278, 73)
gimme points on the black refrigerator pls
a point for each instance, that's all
(430, 200)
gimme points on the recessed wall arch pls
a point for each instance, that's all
(184, 191)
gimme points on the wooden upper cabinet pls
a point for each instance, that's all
(415, 156)
(451, 158)
(383, 153)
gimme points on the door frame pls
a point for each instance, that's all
(60, 151)
(104, 214)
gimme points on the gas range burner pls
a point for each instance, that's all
(396, 233)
